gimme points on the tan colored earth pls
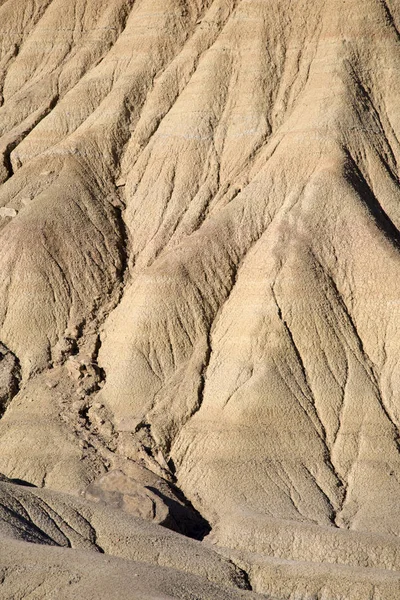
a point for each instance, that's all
(200, 299)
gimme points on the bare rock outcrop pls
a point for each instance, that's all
(9, 377)
(144, 494)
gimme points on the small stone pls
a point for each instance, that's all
(6, 211)
(51, 384)
(74, 369)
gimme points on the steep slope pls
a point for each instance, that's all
(199, 257)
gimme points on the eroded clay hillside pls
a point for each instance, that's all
(200, 299)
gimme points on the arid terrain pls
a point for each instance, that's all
(200, 299)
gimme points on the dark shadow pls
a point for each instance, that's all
(183, 518)
(382, 220)
(22, 482)
(171, 466)
(4, 479)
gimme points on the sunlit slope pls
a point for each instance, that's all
(199, 263)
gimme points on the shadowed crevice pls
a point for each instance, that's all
(356, 179)
(183, 518)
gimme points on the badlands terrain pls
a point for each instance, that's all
(200, 299)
